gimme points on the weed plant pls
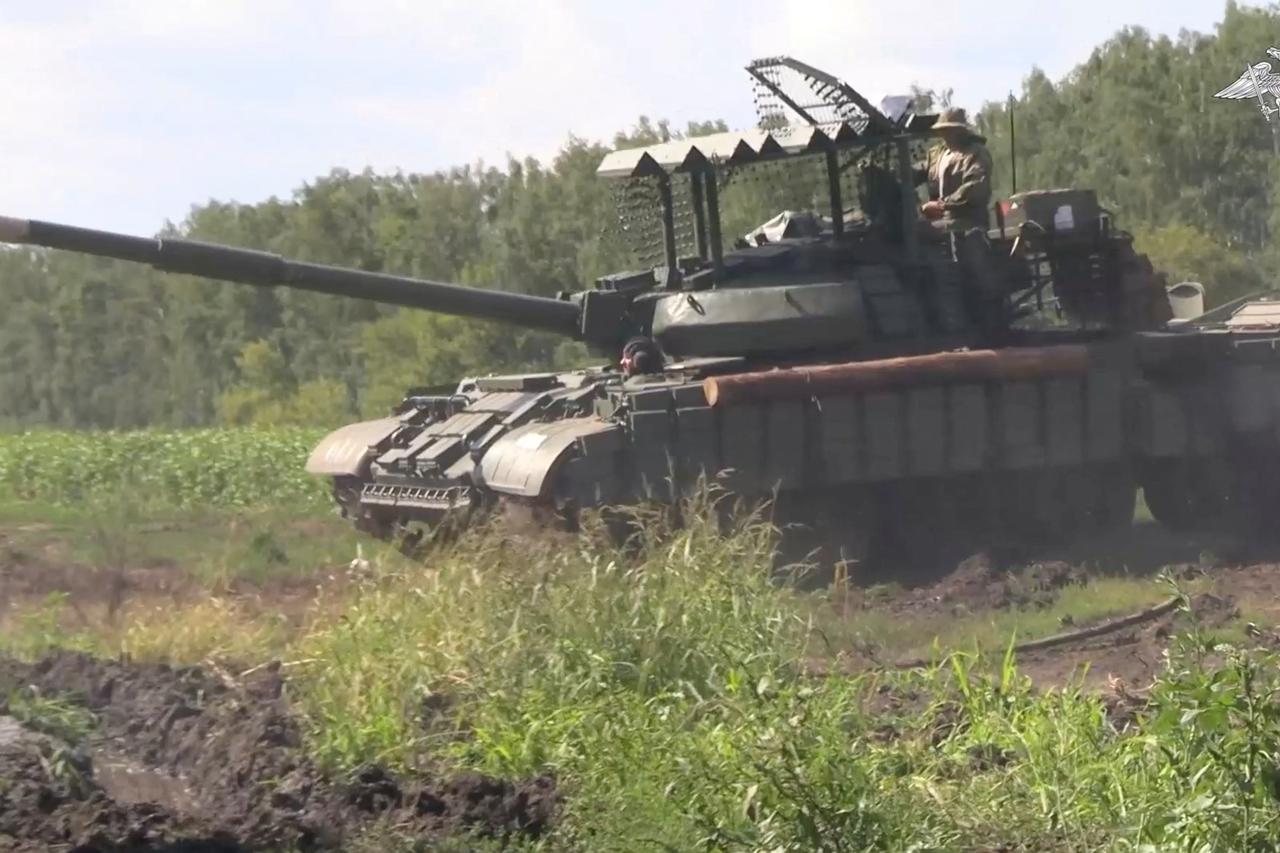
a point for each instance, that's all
(53, 716)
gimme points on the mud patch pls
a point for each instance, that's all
(11, 731)
(183, 758)
(1125, 662)
(127, 781)
(980, 583)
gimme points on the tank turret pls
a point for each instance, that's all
(742, 312)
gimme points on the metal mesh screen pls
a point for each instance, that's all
(777, 81)
(637, 227)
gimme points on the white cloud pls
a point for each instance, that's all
(44, 104)
(554, 71)
(121, 114)
(492, 108)
(198, 20)
(980, 50)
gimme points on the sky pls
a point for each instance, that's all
(122, 114)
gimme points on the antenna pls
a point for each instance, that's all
(1013, 145)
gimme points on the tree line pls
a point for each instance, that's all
(93, 343)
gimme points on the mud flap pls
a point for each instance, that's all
(346, 452)
(526, 461)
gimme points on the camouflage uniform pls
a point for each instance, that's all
(961, 180)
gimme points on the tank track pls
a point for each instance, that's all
(904, 531)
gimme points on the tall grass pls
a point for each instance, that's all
(662, 685)
(208, 468)
(497, 618)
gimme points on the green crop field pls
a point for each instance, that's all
(207, 468)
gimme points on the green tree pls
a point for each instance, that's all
(268, 394)
(1186, 253)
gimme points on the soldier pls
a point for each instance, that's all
(959, 176)
(959, 179)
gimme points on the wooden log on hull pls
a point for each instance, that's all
(890, 373)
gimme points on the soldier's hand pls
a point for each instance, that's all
(932, 210)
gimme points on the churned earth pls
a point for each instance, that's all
(180, 759)
(1100, 613)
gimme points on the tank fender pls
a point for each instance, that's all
(524, 462)
(346, 452)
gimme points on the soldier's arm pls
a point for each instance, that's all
(975, 184)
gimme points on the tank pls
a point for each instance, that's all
(884, 393)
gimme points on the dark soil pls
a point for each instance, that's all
(183, 761)
(980, 583)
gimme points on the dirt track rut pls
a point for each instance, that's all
(182, 761)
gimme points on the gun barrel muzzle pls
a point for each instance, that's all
(14, 230)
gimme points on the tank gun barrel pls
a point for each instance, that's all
(248, 266)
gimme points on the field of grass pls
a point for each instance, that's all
(214, 545)
(666, 688)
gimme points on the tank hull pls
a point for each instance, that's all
(1050, 439)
